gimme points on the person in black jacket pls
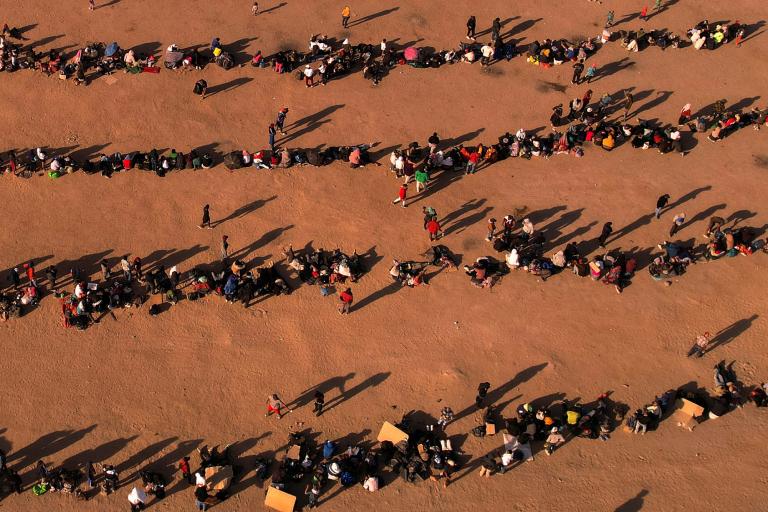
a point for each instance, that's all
(471, 25)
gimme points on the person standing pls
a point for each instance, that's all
(590, 74)
(605, 233)
(201, 88)
(644, 13)
(491, 230)
(578, 67)
(224, 247)
(401, 195)
(90, 475)
(629, 100)
(51, 274)
(137, 268)
(346, 301)
(280, 121)
(433, 142)
(657, 5)
(106, 271)
(14, 278)
(91, 5)
(125, 266)
(495, 29)
(322, 70)
(206, 223)
(471, 26)
(421, 176)
(609, 19)
(661, 203)
(255, 8)
(319, 402)
(433, 227)
(200, 496)
(186, 473)
(482, 394)
(346, 13)
(309, 76)
(677, 224)
(272, 132)
(700, 345)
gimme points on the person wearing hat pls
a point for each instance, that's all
(554, 440)
(309, 76)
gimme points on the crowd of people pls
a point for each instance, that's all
(423, 451)
(339, 58)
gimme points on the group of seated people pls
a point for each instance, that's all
(236, 284)
(357, 156)
(558, 51)
(409, 273)
(637, 41)
(324, 268)
(704, 35)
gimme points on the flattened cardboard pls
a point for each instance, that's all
(391, 433)
(280, 500)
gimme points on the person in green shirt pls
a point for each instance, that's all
(422, 177)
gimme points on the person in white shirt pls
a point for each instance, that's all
(383, 45)
(507, 459)
(487, 51)
(309, 76)
(371, 483)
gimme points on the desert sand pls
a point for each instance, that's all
(141, 391)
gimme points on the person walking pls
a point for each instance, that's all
(272, 132)
(401, 195)
(346, 299)
(276, 406)
(471, 26)
(206, 223)
(661, 203)
(280, 121)
(224, 247)
(628, 101)
(346, 13)
(605, 233)
(578, 67)
(319, 403)
(482, 394)
(609, 19)
(677, 224)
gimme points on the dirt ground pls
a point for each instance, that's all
(142, 391)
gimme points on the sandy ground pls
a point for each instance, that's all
(139, 391)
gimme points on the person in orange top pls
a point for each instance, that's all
(346, 13)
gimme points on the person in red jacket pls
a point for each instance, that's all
(346, 301)
(401, 195)
(434, 230)
(473, 161)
